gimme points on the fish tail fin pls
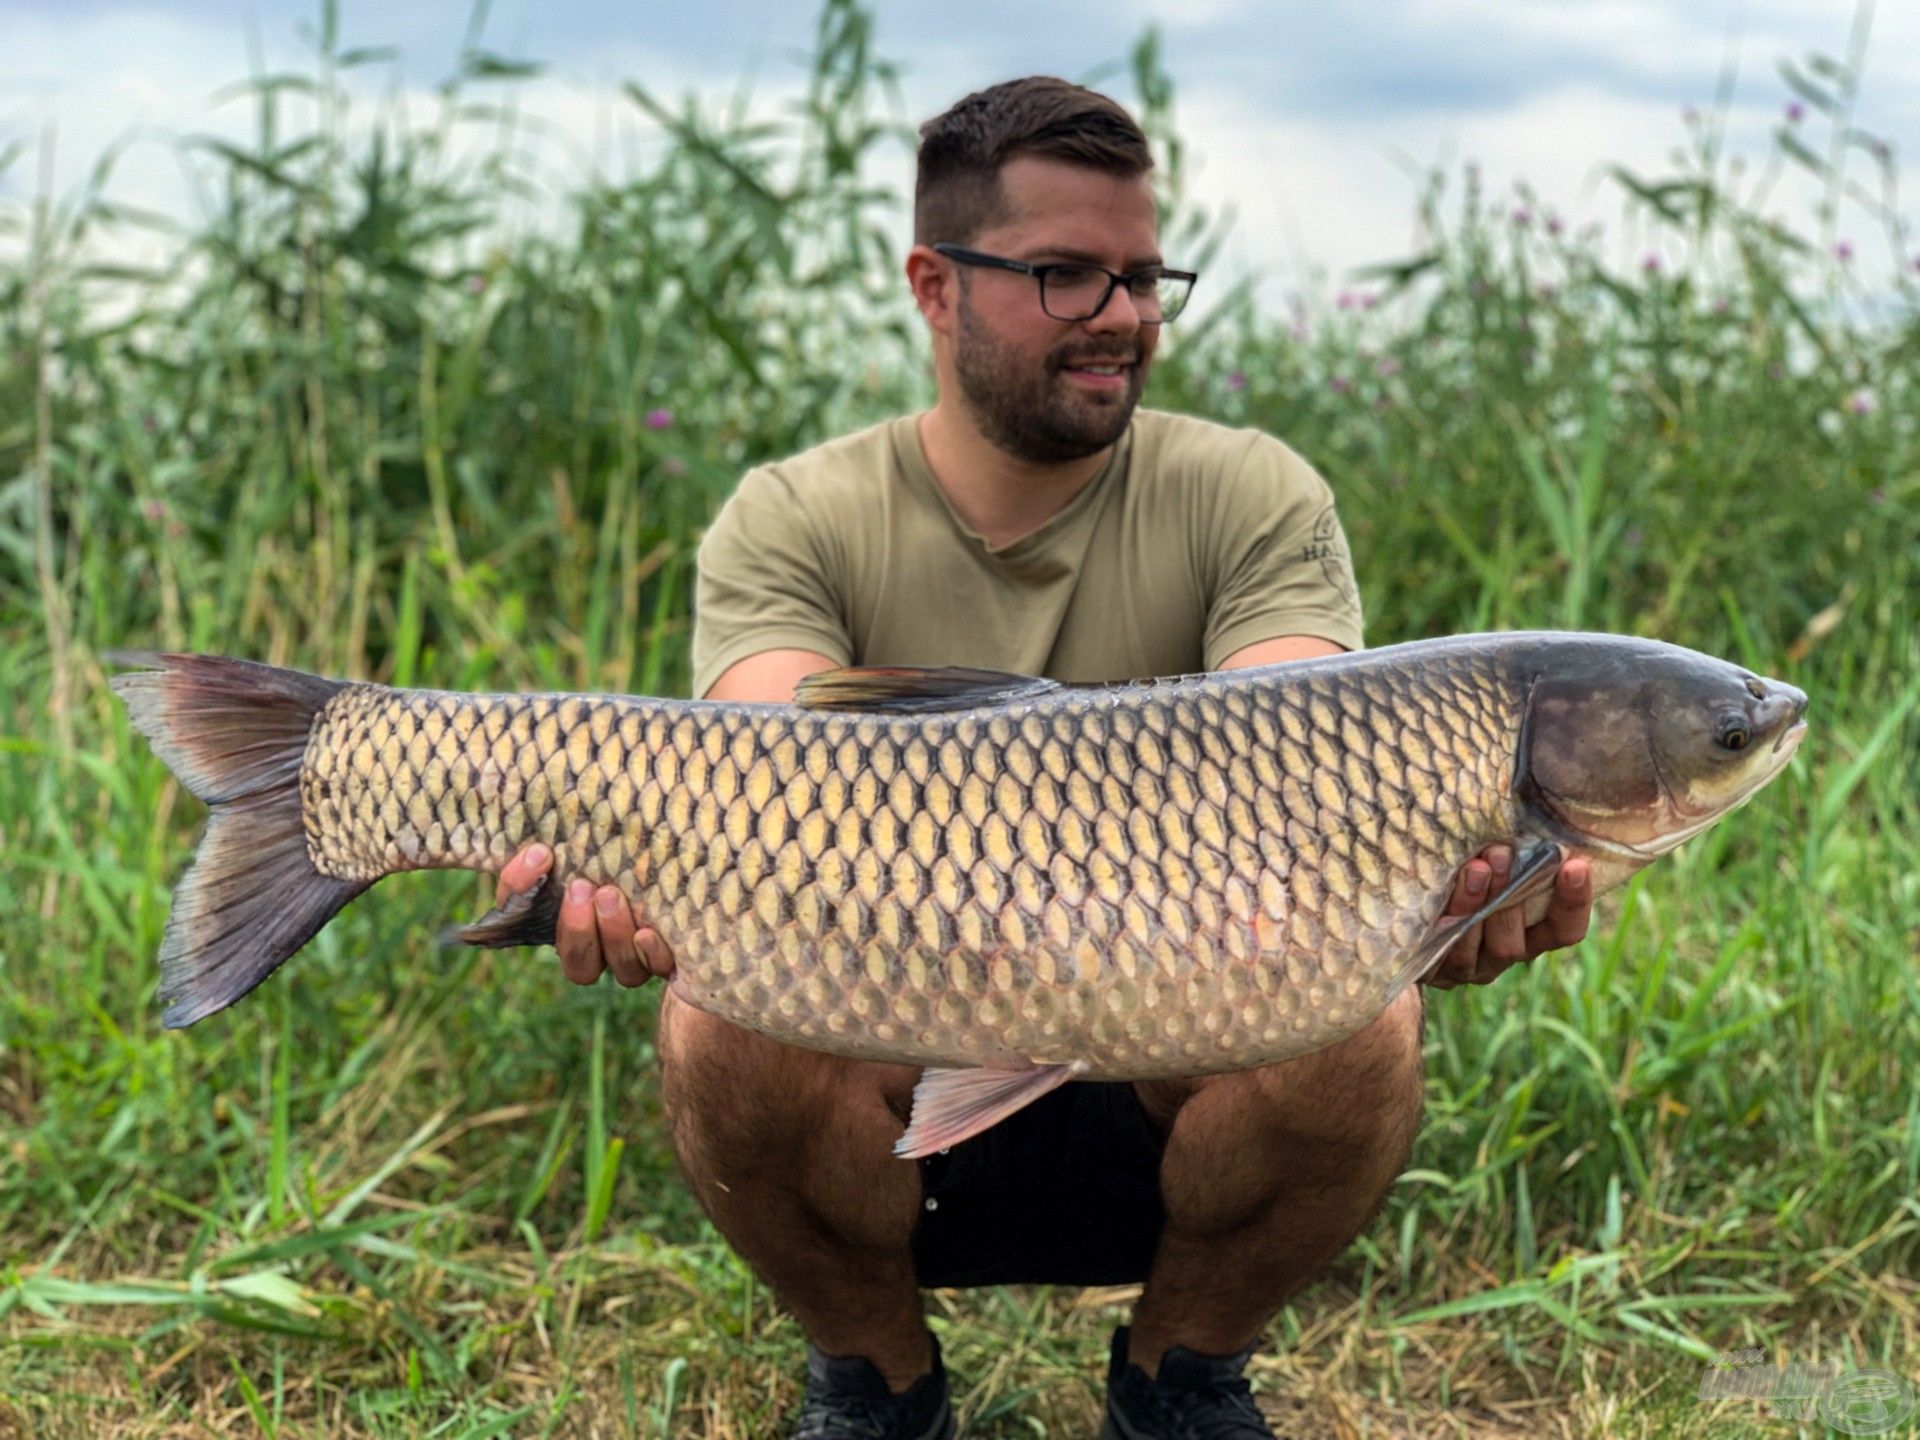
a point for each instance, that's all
(234, 733)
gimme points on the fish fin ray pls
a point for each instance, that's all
(234, 732)
(531, 917)
(913, 689)
(1534, 866)
(954, 1105)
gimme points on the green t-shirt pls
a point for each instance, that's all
(1193, 541)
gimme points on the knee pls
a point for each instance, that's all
(733, 1091)
(1359, 1101)
(727, 1091)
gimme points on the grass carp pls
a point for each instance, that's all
(1012, 881)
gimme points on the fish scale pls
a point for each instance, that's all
(1166, 878)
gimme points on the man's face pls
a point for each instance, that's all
(1020, 370)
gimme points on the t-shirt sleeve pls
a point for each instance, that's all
(764, 579)
(1279, 561)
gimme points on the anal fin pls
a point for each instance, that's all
(532, 917)
(953, 1105)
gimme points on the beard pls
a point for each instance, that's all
(1028, 408)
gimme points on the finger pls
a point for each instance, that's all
(577, 938)
(1505, 940)
(657, 953)
(613, 917)
(1462, 960)
(1505, 937)
(1569, 911)
(1470, 890)
(522, 871)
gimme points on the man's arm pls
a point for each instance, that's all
(1504, 938)
(598, 929)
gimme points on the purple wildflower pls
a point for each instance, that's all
(1340, 384)
(154, 510)
(1369, 300)
(1522, 216)
(658, 419)
(1346, 300)
(1861, 402)
(1843, 251)
(1796, 112)
(1237, 381)
(1387, 368)
(476, 284)
(1650, 263)
(1721, 304)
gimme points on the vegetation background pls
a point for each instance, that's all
(363, 424)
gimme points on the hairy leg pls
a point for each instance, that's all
(790, 1152)
(1269, 1174)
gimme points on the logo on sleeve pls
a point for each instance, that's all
(1325, 546)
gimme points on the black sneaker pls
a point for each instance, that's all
(1194, 1397)
(848, 1399)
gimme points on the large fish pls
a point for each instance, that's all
(1011, 881)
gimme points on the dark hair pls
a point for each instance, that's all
(957, 189)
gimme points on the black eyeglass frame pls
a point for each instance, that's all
(960, 255)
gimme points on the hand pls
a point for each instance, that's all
(598, 930)
(1504, 938)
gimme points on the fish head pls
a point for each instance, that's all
(1638, 747)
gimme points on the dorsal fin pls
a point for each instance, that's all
(910, 689)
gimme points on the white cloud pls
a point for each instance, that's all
(1311, 187)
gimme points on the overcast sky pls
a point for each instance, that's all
(1309, 118)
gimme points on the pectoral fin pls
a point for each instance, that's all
(1534, 866)
(531, 917)
(952, 1105)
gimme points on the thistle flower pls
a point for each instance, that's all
(1796, 112)
(658, 419)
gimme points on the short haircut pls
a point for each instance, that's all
(956, 192)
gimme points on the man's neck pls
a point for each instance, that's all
(1000, 497)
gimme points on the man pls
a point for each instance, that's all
(1033, 521)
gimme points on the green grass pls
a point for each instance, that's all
(364, 425)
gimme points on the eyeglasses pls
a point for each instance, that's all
(1075, 290)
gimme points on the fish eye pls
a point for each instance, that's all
(1732, 733)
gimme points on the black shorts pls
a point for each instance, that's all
(1063, 1192)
